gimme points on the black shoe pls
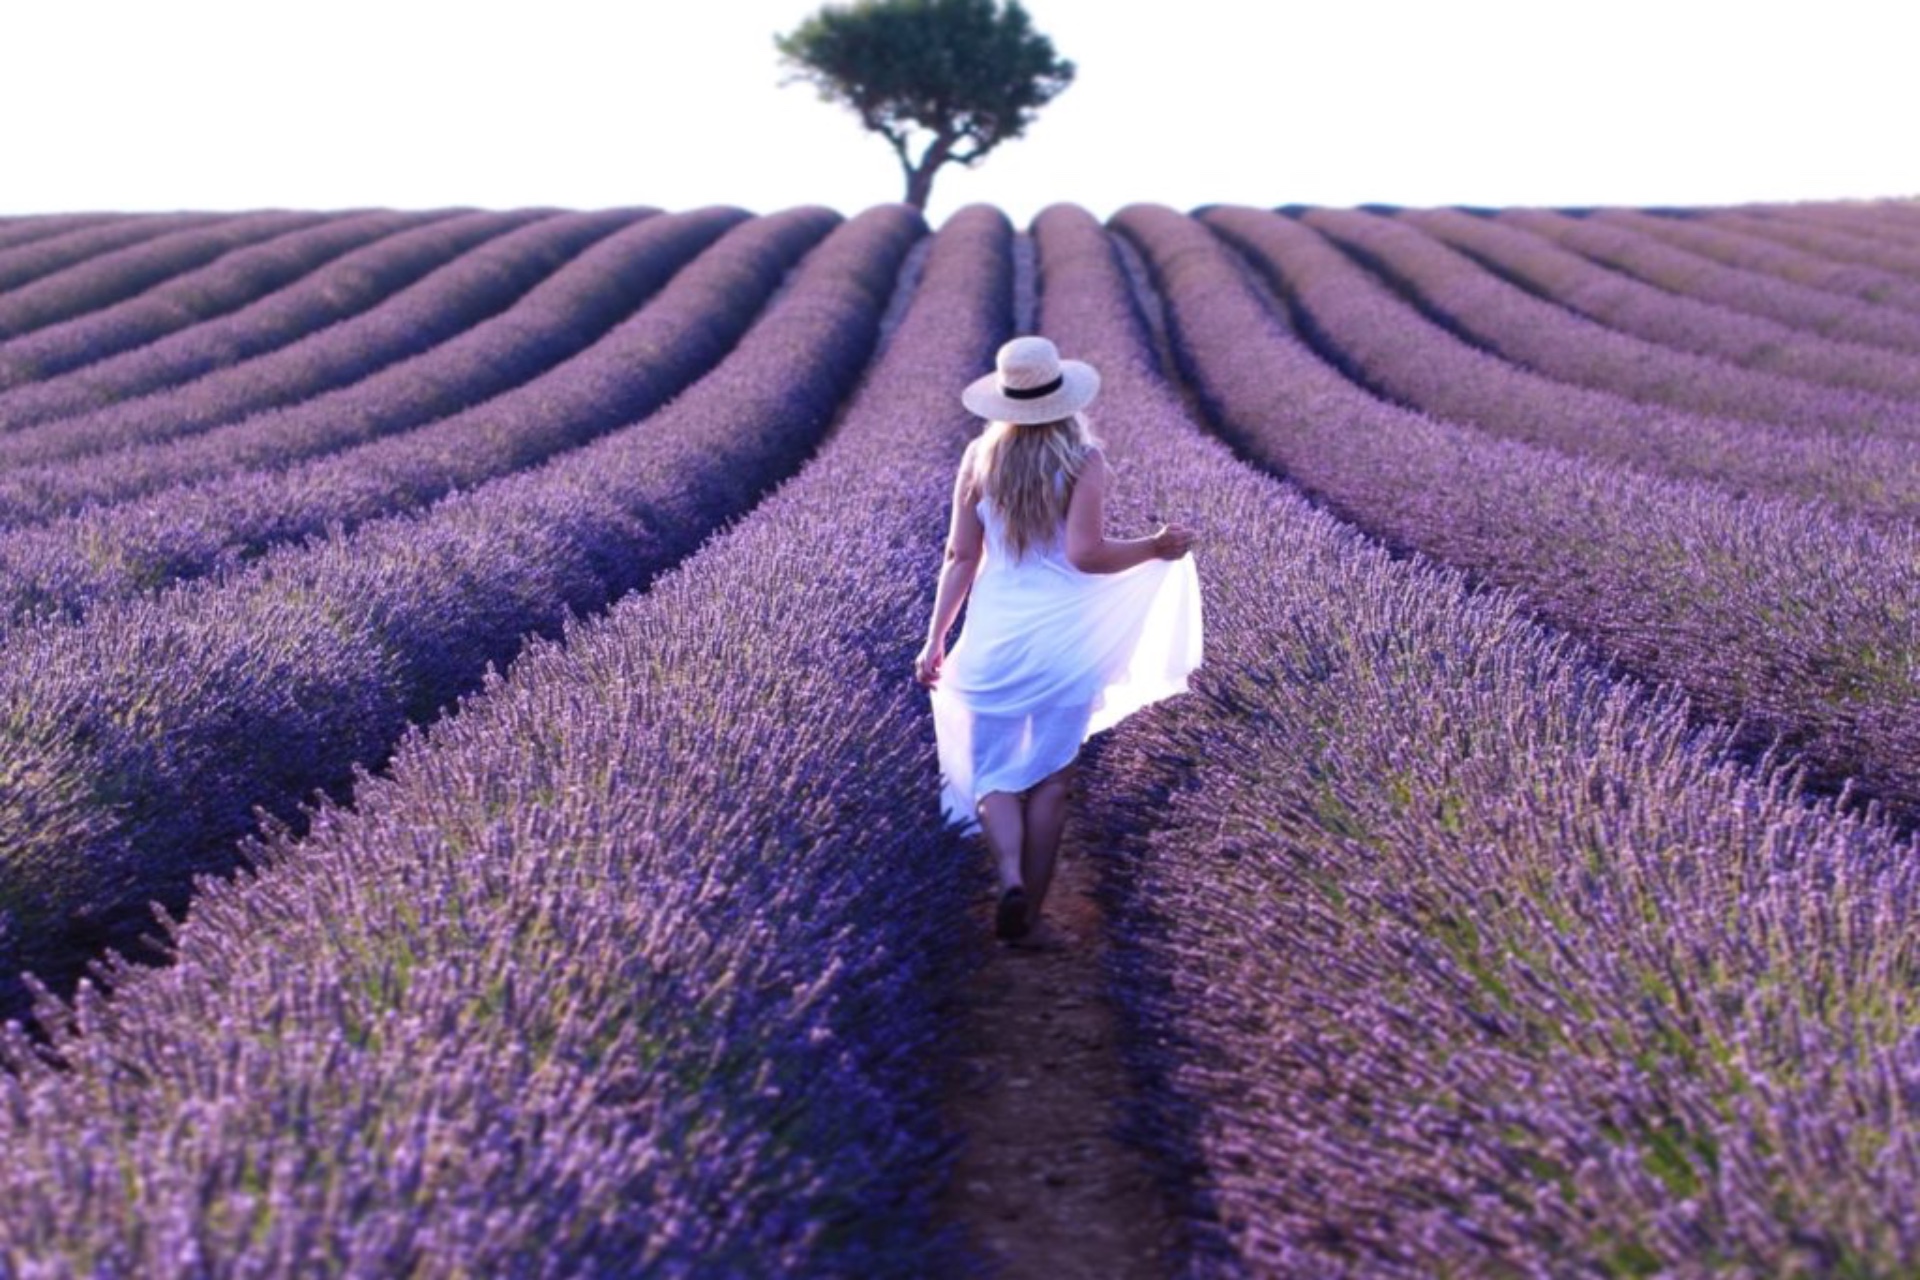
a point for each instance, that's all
(1011, 920)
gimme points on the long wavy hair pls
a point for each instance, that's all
(1015, 468)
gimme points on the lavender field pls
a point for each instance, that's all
(465, 809)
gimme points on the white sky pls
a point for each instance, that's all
(229, 104)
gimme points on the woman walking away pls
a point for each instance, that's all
(1068, 632)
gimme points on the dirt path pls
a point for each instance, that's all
(1041, 1186)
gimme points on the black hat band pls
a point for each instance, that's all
(1034, 393)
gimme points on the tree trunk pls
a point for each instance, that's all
(920, 177)
(919, 187)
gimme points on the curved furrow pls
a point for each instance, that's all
(154, 732)
(1444, 953)
(1882, 253)
(1763, 257)
(1694, 275)
(107, 278)
(1551, 340)
(74, 566)
(23, 264)
(445, 303)
(222, 286)
(609, 930)
(1774, 614)
(28, 229)
(336, 292)
(1622, 301)
(1389, 347)
(552, 322)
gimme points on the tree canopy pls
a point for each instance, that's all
(948, 79)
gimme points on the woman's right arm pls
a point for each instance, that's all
(1090, 550)
(966, 536)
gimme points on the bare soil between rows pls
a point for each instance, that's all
(1042, 1187)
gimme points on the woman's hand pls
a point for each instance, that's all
(1171, 541)
(926, 666)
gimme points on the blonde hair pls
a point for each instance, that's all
(1015, 467)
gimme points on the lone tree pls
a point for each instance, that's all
(970, 73)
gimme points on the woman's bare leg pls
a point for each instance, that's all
(1002, 820)
(1046, 818)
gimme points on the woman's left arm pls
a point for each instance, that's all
(966, 537)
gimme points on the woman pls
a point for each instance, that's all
(1068, 631)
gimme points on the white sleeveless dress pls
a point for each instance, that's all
(1049, 656)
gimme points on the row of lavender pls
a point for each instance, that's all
(153, 730)
(320, 309)
(1547, 337)
(1375, 1223)
(550, 373)
(579, 294)
(1777, 613)
(233, 280)
(1616, 297)
(40, 248)
(23, 231)
(1443, 951)
(473, 286)
(336, 292)
(49, 282)
(1876, 221)
(1391, 348)
(634, 966)
(1809, 256)
(1638, 248)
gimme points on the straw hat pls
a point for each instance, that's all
(1031, 383)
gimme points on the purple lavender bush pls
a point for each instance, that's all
(222, 286)
(594, 983)
(343, 288)
(153, 733)
(553, 321)
(27, 228)
(1881, 254)
(1877, 221)
(25, 262)
(73, 566)
(106, 278)
(1695, 275)
(1390, 348)
(1616, 298)
(1442, 951)
(1776, 615)
(1873, 288)
(445, 304)
(1547, 338)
